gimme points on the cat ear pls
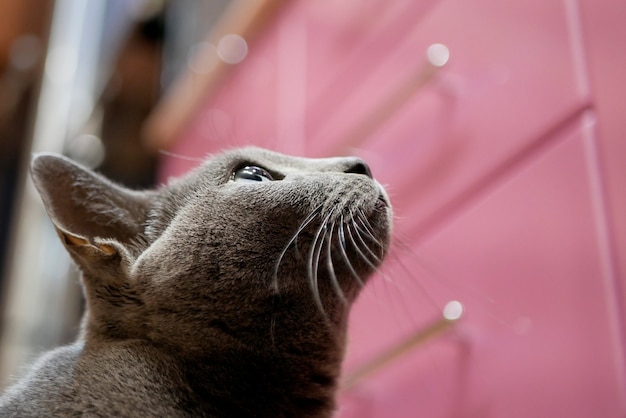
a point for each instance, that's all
(92, 215)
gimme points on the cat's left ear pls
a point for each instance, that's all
(91, 214)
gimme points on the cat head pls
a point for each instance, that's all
(252, 248)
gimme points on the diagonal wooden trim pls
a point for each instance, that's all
(393, 101)
(452, 313)
(246, 18)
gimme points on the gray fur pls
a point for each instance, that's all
(203, 299)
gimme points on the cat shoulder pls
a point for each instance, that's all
(49, 376)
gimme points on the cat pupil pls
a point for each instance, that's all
(251, 173)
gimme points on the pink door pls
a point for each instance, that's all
(507, 170)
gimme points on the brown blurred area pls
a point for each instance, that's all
(130, 90)
(80, 78)
(23, 34)
(128, 99)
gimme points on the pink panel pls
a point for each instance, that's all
(509, 83)
(502, 55)
(603, 38)
(358, 43)
(451, 136)
(303, 65)
(241, 111)
(544, 346)
(507, 174)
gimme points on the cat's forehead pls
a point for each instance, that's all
(274, 160)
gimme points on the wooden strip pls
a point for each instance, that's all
(452, 313)
(245, 18)
(393, 101)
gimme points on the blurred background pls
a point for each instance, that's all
(497, 126)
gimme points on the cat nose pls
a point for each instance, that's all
(358, 166)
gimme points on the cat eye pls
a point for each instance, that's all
(251, 173)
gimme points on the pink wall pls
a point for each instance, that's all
(508, 175)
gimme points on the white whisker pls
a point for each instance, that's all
(432, 273)
(331, 267)
(302, 226)
(358, 250)
(369, 229)
(342, 248)
(180, 156)
(358, 231)
(313, 263)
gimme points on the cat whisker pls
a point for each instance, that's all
(377, 259)
(342, 248)
(440, 278)
(411, 275)
(359, 231)
(398, 261)
(358, 249)
(464, 290)
(181, 156)
(331, 267)
(314, 259)
(365, 223)
(294, 237)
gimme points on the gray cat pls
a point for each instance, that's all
(223, 294)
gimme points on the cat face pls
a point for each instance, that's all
(246, 249)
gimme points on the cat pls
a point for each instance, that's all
(225, 293)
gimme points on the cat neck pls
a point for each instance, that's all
(249, 374)
(235, 380)
(249, 383)
(277, 372)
